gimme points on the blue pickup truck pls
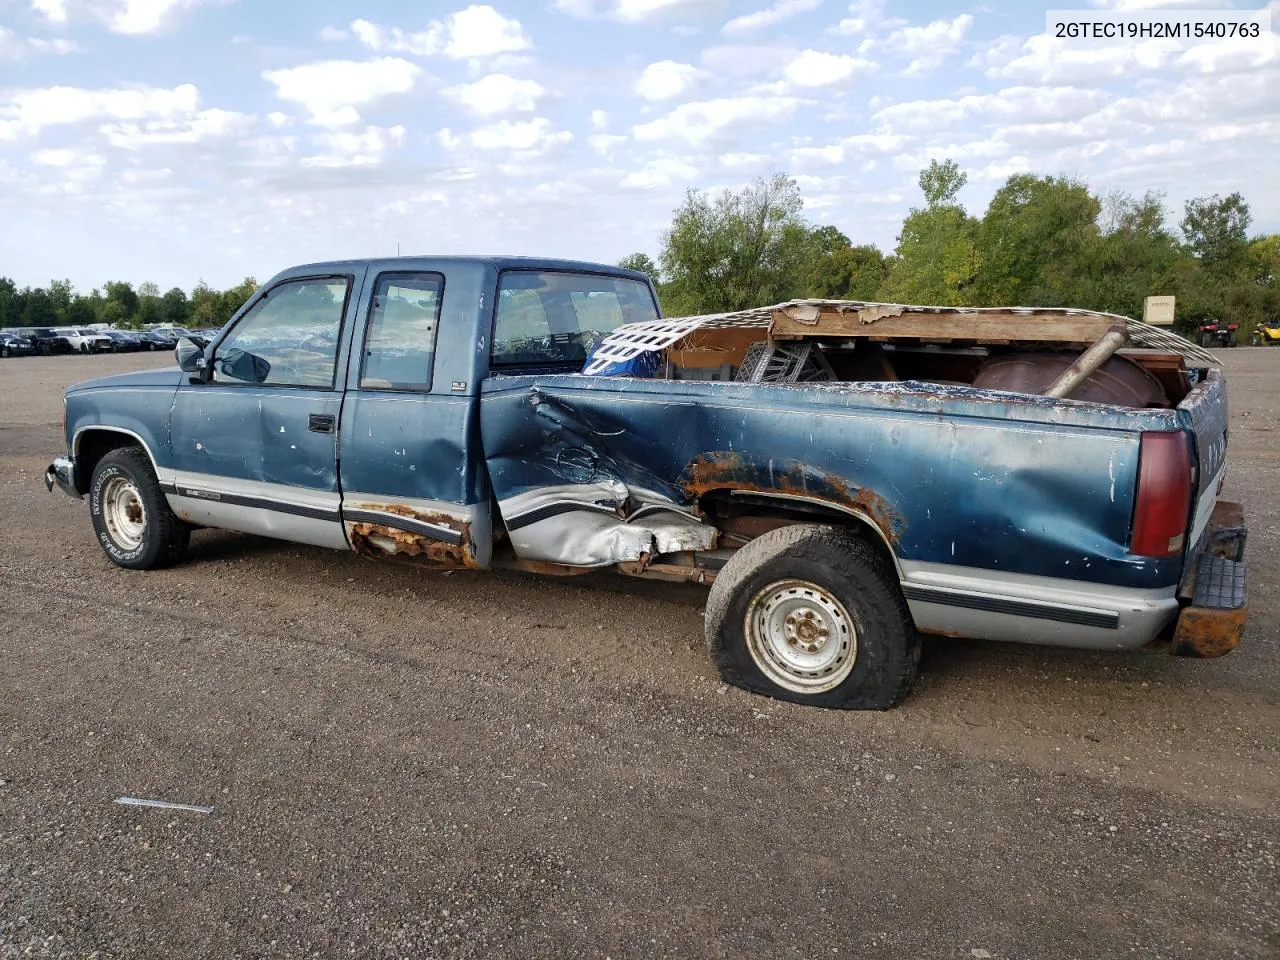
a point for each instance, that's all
(435, 410)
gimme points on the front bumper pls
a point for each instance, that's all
(63, 473)
(1214, 592)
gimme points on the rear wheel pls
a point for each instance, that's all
(131, 516)
(813, 615)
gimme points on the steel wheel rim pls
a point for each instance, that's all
(801, 637)
(124, 513)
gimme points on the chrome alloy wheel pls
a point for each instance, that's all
(123, 513)
(801, 637)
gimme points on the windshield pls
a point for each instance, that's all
(551, 318)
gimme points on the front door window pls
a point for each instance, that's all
(289, 338)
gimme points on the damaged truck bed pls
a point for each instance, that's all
(844, 476)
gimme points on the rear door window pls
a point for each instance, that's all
(400, 340)
(555, 318)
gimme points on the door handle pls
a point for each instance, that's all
(320, 423)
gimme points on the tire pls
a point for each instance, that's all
(131, 517)
(4, 350)
(843, 588)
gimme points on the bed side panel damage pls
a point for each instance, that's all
(595, 471)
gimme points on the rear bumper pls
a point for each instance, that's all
(1214, 592)
(62, 473)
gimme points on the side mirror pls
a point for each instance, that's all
(190, 356)
(245, 366)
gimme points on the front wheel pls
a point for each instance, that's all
(813, 615)
(131, 516)
(4, 350)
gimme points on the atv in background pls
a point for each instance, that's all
(1215, 333)
(1266, 334)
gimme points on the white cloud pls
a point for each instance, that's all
(13, 47)
(770, 16)
(476, 32)
(529, 136)
(120, 16)
(859, 145)
(1013, 104)
(868, 15)
(449, 140)
(332, 89)
(55, 10)
(746, 161)
(929, 46)
(702, 121)
(660, 172)
(65, 157)
(667, 79)
(31, 110)
(145, 16)
(395, 40)
(814, 68)
(640, 11)
(213, 124)
(603, 143)
(498, 93)
(57, 45)
(278, 119)
(349, 148)
(599, 119)
(1043, 59)
(331, 34)
(481, 31)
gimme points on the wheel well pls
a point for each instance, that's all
(745, 516)
(93, 445)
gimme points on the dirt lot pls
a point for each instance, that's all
(406, 764)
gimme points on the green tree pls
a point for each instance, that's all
(848, 273)
(175, 308)
(1034, 240)
(1216, 228)
(80, 312)
(740, 250)
(11, 303)
(206, 306)
(122, 293)
(1134, 256)
(60, 294)
(641, 263)
(936, 259)
(233, 299)
(39, 309)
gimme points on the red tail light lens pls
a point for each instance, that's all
(1164, 495)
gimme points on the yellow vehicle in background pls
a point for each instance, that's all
(1266, 334)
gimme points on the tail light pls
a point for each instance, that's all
(1164, 495)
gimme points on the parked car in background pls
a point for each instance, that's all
(13, 345)
(123, 341)
(85, 340)
(47, 341)
(157, 340)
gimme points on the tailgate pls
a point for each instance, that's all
(1204, 413)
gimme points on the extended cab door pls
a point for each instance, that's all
(255, 447)
(413, 486)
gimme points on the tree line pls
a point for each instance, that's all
(1042, 241)
(119, 304)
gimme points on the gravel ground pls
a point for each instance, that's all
(409, 764)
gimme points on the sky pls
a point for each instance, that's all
(183, 140)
